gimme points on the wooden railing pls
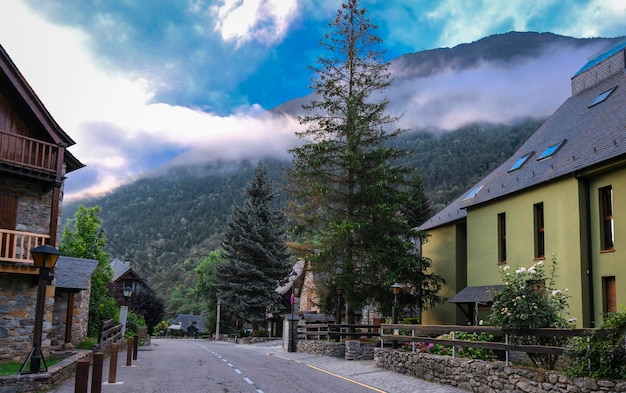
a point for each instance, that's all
(28, 152)
(325, 331)
(15, 246)
(432, 334)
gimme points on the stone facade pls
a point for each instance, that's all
(34, 207)
(18, 300)
(486, 377)
(18, 292)
(80, 318)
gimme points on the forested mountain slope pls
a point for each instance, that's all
(166, 221)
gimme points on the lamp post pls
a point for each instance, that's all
(293, 330)
(395, 289)
(338, 307)
(45, 257)
(128, 293)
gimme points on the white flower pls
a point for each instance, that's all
(507, 267)
(540, 263)
(572, 320)
(556, 292)
(480, 322)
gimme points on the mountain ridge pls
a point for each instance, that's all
(166, 221)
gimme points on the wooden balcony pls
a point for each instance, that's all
(27, 153)
(15, 246)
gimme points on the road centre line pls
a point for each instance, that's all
(346, 379)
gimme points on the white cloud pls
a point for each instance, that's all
(489, 92)
(265, 21)
(111, 117)
(597, 18)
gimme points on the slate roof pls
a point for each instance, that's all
(74, 273)
(184, 320)
(119, 268)
(592, 135)
(483, 294)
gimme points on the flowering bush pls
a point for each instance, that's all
(466, 352)
(529, 300)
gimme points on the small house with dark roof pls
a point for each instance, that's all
(188, 324)
(560, 195)
(125, 277)
(71, 300)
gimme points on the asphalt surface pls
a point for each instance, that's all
(164, 354)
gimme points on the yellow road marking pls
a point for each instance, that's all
(346, 379)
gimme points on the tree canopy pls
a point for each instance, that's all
(354, 202)
(83, 237)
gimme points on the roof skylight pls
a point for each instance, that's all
(472, 193)
(551, 150)
(602, 96)
(518, 164)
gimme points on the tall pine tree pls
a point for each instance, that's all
(255, 254)
(355, 203)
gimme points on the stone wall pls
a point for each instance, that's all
(351, 350)
(80, 318)
(322, 348)
(18, 300)
(482, 376)
(34, 383)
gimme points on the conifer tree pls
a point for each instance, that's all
(354, 202)
(255, 254)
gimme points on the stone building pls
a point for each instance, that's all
(33, 164)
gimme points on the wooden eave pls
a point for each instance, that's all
(32, 110)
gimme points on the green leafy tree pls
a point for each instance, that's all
(355, 204)
(205, 290)
(256, 257)
(83, 238)
(528, 299)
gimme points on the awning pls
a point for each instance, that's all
(482, 294)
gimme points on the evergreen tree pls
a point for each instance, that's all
(255, 254)
(354, 202)
(83, 237)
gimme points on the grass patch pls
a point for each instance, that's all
(12, 368)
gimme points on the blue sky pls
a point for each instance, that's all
(137, 82)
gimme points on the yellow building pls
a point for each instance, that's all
(562, 195)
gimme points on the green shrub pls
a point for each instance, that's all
(602, 355)
(529, 300)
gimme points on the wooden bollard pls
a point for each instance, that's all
(135, 345)
(82, 376)
(113, 363)
(129, 351)
(96, 375)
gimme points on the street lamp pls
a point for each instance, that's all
(45, 257)
(128, 292)
(395, 289)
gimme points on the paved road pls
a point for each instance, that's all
(216, 366)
